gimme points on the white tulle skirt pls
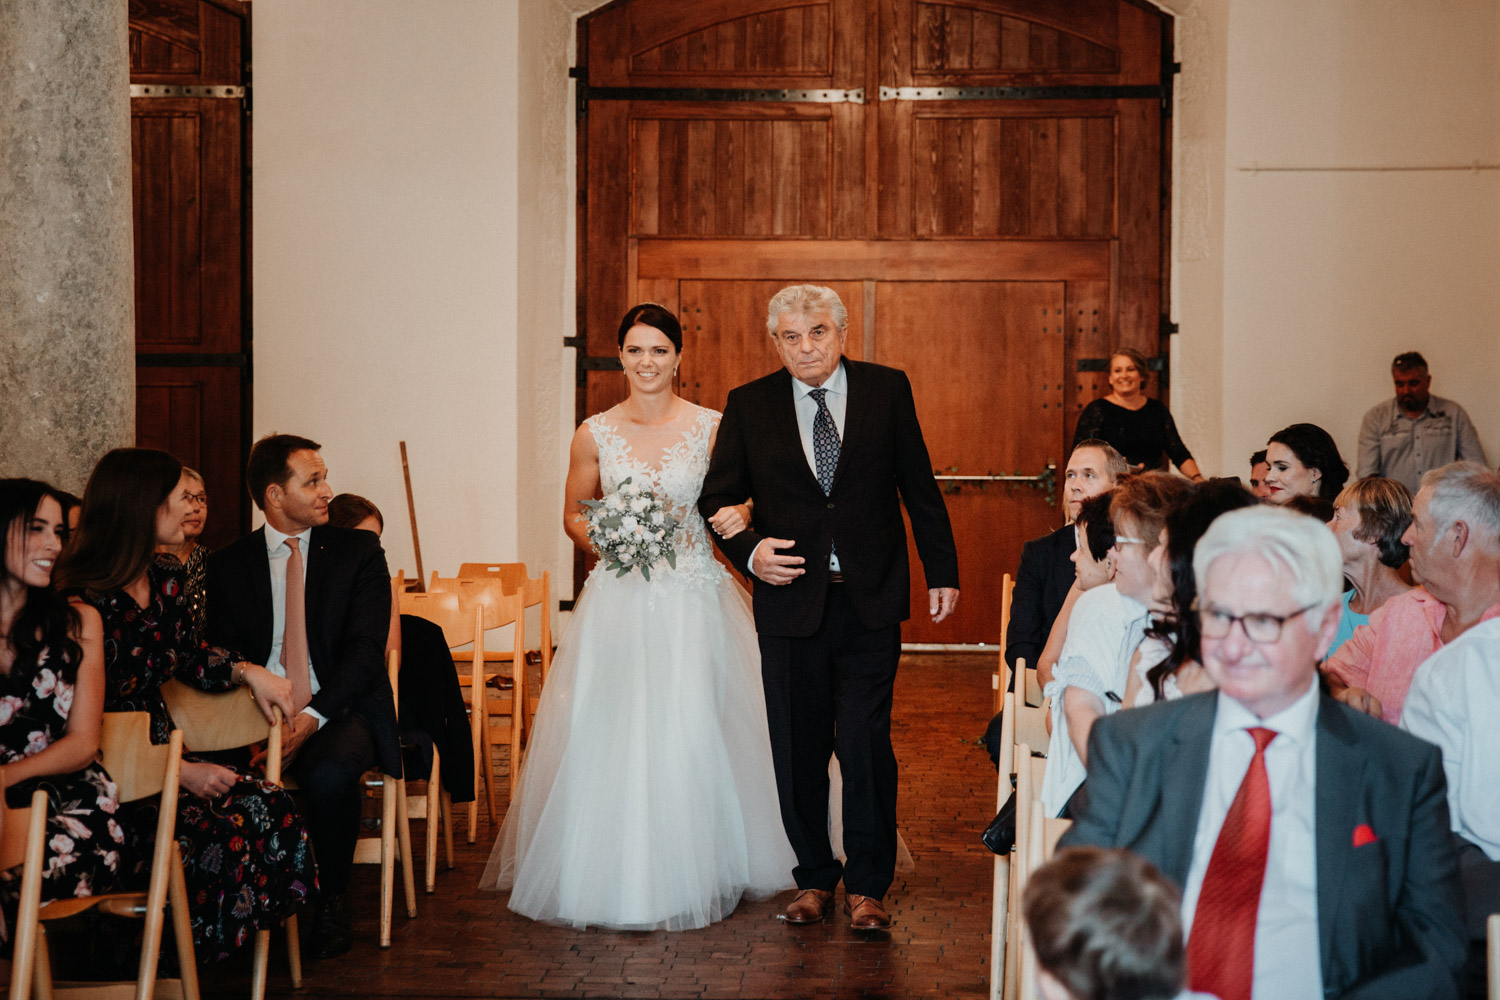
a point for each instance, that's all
(647, 798)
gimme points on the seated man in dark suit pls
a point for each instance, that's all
(1046, 570)
(1310, 840)
(313, 603)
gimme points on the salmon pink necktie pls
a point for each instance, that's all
(294, 635)
(1221, 947)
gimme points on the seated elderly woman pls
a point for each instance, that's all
(1107, 624)
(1369, 517)
(1454, 543)
(1166, 666)
(1105, 924)
(1303, 459)
(192, 553)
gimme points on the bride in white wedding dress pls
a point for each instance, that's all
(647, 798)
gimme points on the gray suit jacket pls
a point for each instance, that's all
(1390, 912)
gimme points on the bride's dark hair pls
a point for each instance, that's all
(655, 316)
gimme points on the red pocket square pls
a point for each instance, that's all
(1364, 835)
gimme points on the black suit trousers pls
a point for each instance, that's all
(828, 693)
(328, 769)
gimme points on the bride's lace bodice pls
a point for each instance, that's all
(676, 478)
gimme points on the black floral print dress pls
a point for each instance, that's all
(85, 843)
(246, 854)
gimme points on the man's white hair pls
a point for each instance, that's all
(1301, 550)
(802, 300)
(1467, 492)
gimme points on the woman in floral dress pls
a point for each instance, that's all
(51, 705)
(244, 846)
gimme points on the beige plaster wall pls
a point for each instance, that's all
(1328, 273)
(387, 261)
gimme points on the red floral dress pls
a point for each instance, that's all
(85, 841)
(246, 854)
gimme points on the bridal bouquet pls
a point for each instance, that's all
(631, 529)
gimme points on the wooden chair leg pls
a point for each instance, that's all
(387, 858)
(293, 952)
(435, 820)
(489, 762)
(403, 841)
(447, 801)
(182, 928)
(41, 974)
(259, 964)
(476, 719)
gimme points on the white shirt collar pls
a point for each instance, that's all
(1294, 722)
(837, 384)
(276, 540)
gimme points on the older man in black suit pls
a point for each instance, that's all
(1310, 840)
(829, 450)
(313, 603)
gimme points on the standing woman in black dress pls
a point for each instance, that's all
(1139, 427)
(244, 846)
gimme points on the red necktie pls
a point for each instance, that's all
(294, 634)
(1221, 947)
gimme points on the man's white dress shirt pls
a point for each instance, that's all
(1288, 945)
(1454, 702)
(837, 401)
(278, 553)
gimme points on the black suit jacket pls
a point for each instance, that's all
(348, 619)
(1390, 912)
(882, 463)
(1042, 584)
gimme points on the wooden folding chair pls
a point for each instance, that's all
(511, 575)
(1026, 790)
(139, 769)
(999, 909)
(1030, 720)
(228, 721)
(466, 628)
(1002, 671)
(395, 831)
(23, 836)
(434, 806)
(498, 607)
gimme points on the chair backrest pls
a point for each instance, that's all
(220, 721)
(19, 827)
(444, 610)
(1007, 588)
(511, 574)
(500, 600)
(138, 766)
(1031, 725)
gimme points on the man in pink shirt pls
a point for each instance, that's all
(1455, 556)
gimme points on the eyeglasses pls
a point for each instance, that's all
(1260, 628)
(198, 498)
(1127, 540)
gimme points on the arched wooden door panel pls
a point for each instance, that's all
(986, 236)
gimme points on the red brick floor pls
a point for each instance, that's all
(465, 943)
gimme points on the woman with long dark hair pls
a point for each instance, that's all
(51, 706)
(1167, 665)
(1303, 460)
(244, 847)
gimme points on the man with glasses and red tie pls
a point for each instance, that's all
(1310, 841)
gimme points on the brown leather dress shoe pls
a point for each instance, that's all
(866, 913)
(810, 906)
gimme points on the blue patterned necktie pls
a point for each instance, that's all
(825, 441)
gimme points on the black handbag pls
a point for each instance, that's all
(1000, 835)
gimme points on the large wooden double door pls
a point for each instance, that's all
(982, 181)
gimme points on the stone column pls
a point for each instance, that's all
(67, 293)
